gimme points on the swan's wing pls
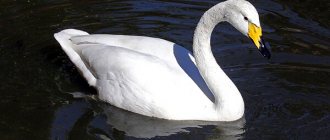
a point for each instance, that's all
(132, 80)
(125, 78)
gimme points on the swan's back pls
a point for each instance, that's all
(160, 48)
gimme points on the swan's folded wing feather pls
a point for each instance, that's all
(63, 38)
(161, 48)
(135, 80)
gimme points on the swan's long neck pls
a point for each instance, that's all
(228, 100)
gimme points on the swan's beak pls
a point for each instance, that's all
(255, 34)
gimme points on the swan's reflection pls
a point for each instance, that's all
(82, 119)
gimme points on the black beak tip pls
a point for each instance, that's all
(264, 49)
(266, 53)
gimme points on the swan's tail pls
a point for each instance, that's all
(63, 37)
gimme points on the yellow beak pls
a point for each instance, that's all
(255, 34)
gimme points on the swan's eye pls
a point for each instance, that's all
(245, 18)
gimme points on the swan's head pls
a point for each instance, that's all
(244, 17)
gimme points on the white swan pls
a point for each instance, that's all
(157, 78)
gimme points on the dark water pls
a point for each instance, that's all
(287, 97)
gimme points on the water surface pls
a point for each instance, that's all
(285, 97)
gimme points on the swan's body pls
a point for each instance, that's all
(158, 78)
